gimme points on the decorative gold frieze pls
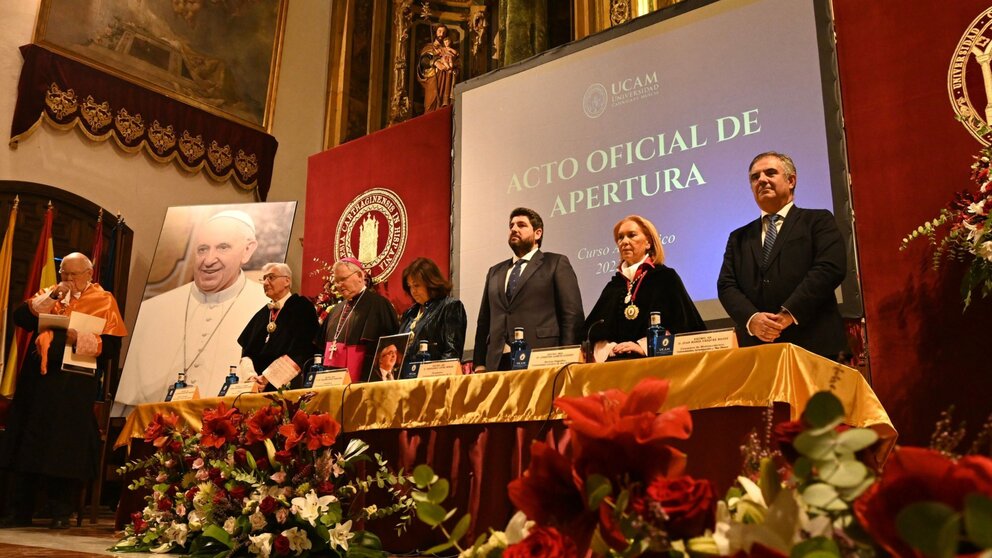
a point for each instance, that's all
(219, 156)
(247, 165)
(162, 139)
(131, 127)
(191, 147)
(97, 115)
(61, 103)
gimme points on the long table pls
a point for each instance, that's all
(475, 429)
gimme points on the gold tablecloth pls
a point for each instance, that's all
(749, 377)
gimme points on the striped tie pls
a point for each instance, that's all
(771, 232)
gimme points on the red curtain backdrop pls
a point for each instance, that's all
(413, 159)
(908, 156)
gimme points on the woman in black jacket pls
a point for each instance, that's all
(435, 317)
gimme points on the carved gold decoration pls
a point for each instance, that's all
(163, 139)
(477, 23)
(191, 147)
(131, 127)
(219, 156)
(247, 165)
(399, 101)
(61, 103)
(97, 115)
(620, 11)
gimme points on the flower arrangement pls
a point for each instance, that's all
(266, 484)
(622, 492)
(969, 231)
(327, 297)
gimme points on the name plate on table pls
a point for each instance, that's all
(240, 389)
(331, 378)
(703, 341)
(554, 357)
(450, 367)
(182, 394)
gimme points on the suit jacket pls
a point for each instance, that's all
(296, 327)
(807, 263)
(547, 304)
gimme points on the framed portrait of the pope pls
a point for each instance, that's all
(221, 56)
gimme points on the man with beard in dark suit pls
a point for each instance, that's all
(780, 271)
(535, 290)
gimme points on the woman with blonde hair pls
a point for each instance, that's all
(642, 284)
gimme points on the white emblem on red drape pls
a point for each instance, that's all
(969, 79)
(373, 230)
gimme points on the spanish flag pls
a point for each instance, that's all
(5, 256)
(42, 275)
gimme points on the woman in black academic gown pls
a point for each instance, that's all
(619, 322)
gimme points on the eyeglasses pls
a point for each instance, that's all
(339, 280)
(73, 273)
(270, 277)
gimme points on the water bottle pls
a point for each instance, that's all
(655, 334)
(180, 384)
(232, 378)
(422, 354)
(519, 350)
(316, 368)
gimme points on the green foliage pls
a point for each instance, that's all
(430, 493)
(978, 519)
(930, 527)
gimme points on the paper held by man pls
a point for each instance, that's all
(73, 361)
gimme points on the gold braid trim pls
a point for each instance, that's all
(91, 116)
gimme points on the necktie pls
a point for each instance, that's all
(511, 285)
(771, 233)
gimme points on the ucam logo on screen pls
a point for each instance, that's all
(598, 97)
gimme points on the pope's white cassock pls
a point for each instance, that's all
(186, 329)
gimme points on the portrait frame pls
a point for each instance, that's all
(400, 341)
(217, 58)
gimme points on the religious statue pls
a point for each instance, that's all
(437, 70)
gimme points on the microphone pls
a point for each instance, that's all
(587, 344)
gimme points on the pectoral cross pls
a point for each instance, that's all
(334, 348)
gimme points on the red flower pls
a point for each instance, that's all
(161, 427)
(616, 433)
(139, 523)
(219, 426)
(281, 545)
(262, 463)
(296, 431)
(549, 494)
(690, 505)
(263, 424)
(191, 493)
(917, 475)
(238, 492)
(164, 504)
(220, 496)
(284, 457)
(543, 542)
(267, 505)
(324, 488)
(323, 431)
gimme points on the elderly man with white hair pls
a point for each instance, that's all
(354, 327)
(193, 329)
(286, 326)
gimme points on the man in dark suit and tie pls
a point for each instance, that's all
(780, 271)
(534, 290)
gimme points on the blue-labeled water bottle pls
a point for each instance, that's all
(232, 378)
(422, 354)
(519, 350)
(180, 384)
(316, 368)
(655, 335)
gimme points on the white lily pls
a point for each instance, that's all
(310, 507)
(340, 534)
(260, 545)
(298, 541)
